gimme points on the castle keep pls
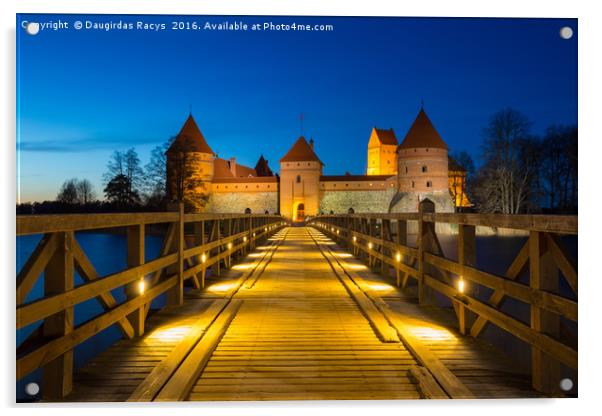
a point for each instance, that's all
(398, 177)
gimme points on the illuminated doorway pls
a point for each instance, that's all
(300, 213)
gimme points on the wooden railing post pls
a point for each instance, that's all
(402, 240)
(175, 296)
(135, 257)
(58, 278)
(543, 276)
(424, 230)
(467, 256)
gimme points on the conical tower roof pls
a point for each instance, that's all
(301, 152)
(262, 168)
(422, 134)
(190, 139)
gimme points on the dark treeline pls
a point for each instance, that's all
(518, 173)
(523, 173)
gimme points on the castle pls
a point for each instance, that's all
(398, 177)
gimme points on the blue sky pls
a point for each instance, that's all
(83, 93)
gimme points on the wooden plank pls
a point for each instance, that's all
(561, 224)
(450, 383)
(429, 388)
(179, 385)
(378, 322)
(34, 266)
(154, 382)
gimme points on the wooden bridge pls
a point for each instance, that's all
(343, 308)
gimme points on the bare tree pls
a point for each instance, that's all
(505, 176)
(68, 192)
(125, 165)
(559, 170)
(155, 171)
(85, 191)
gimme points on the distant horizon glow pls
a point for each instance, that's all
(81, 94)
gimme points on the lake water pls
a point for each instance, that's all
(107, 252)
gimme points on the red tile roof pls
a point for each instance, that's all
(386, 136)
(301, 152)
(190, 139)
(221, 169)
(422, 134)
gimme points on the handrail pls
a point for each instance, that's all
(381, 240)
(192, 243)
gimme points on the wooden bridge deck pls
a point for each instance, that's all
(308, 321)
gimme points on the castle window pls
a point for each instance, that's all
(247, 210)
(429, 184)
(424, 169)
(309, 164)
(335, 185)
(412, 184)
(246, 186)
(346, 184)
(406, 169)
(298, 164)
(298, 178)
(427, 150)
(257, 186)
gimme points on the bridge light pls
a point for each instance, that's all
(141, 286)
(253, 234)
(398, 257)
(265, 229)
(338, 232)
(461, 285)
(203, 258)
(244, 238)
(229, 246)
(354, 239)
(370, 246)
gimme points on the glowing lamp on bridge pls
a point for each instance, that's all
(370, 246)
(229, 246)
(461, 285)
(244, 239)
(354, 239)
(253, 234)
(203, 258)
(265, 229)
(141, 286)
(338, 232)
(398, 257)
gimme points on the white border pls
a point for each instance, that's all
(590, 70)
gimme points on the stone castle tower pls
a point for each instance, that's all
(300, 171)
(190, 167)
(422, 167)
(382, 152)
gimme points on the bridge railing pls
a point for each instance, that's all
(533, 278)
(191, 243)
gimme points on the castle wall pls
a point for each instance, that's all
(361, 201)
(238, 202)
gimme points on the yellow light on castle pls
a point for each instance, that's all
(141, 286)
(461, 285)
(203, 258)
